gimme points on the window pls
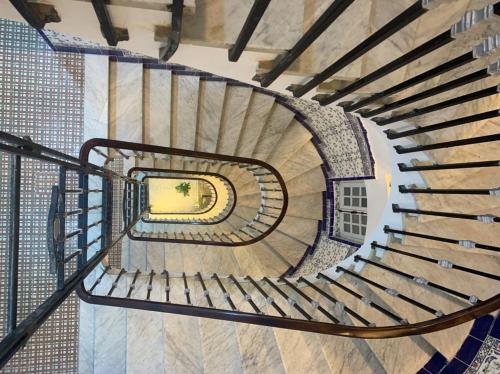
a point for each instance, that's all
(354, 196)
(353, 209)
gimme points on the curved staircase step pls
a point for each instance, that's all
(211, 107)
(305, 159)
(294, 137)
(275, 127)
(125, 101)
(307, 183)
(157, 96)
(235, 109)
(258, 113)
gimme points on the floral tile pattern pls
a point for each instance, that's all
(487, 359)
(344, 145)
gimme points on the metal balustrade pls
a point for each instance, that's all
(113, 35)
(174, 36)
(283, 61)
(69, 269)
(412, 13)
(439, 106)
(253, 19)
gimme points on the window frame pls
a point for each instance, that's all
(350, 190)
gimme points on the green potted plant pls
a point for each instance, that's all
(183, 188)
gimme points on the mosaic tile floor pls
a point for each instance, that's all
(41, 96)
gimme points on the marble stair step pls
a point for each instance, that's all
(276, 125)
(289, 248)
(446, 341)
(306, 206)
(250, 188)
(220, 346)
(264, 357)
(144, 330)
(305, 159)
(474, 232)
(211, 108)
(472, 224)
(96, 101)
(461, 178)
(255, 258)
(294, 137)
(271, 264)
(209, 259)
(110, 339)
(174, 257)
(290, 30)
(126, 101)
(162, 163)
(183, 349)
(259, 110)
(391, 353)
(464, 282)
(185, 95)
(157, 106)
(335, 348)
(146, 162)
(247, 262)
(303, 206)
(253, 201)
(457, 203)
(137, 255)
(436, 299)
(155, 257)
(311, 358)
(472, 152)
(302, 229)
(307, 183)
(233, 117)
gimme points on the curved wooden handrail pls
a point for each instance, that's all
(450, 320)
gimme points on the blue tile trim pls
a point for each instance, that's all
(454, 367)
(495, 330)
(157, 66)
(423, 371)
(352, 178)
(318, 236)
(468, 350)
(482, 327)
(436, 363)
(324, 211)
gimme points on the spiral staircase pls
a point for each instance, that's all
(217, 293)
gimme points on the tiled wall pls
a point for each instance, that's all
(41, 96)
